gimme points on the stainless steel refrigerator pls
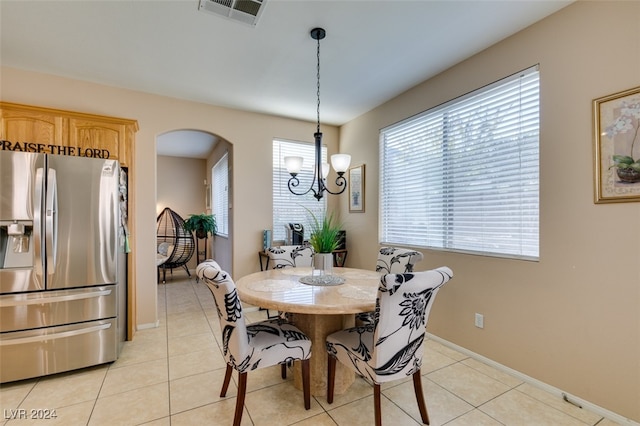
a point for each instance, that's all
(61, 306)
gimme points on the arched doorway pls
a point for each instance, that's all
(184, 182)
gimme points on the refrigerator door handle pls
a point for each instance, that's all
(6, 301)
(60, 335)
(38, 263)
(51, 221)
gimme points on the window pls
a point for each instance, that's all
(287, 207)
(220, 189)
(464, 176)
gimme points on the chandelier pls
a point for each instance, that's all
(340, 162)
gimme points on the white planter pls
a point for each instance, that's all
(322, 264)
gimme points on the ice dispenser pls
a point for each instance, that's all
(15, 244)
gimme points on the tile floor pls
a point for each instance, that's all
(172, 375)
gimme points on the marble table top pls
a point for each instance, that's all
(281, 289)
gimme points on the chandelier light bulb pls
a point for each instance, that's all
(293, 164)
(325, 170)
(340, 162)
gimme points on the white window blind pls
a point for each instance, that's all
(220, 194)
(464, 176)
(287, 207)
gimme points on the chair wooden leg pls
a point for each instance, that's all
(417, 386)
(331, 375)
(306, 384)
(283, 370)
(376, 404)
(227, 379)
(242, 391)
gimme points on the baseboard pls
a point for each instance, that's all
(148, 325)
(540, 385)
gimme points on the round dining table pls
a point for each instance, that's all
(316, 309)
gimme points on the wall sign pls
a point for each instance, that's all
(54, 149)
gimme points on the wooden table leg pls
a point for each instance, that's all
(318, 327)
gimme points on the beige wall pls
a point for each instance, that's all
(251, 135)
(572, 319)
(180, 186)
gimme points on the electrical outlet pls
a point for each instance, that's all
(479, 320)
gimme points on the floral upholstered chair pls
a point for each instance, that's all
(392, 347)
(250, 347)
(290, 256)
(393, 260)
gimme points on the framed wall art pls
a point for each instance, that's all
(356, 189)
(616, 121)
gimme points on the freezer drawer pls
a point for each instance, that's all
(50, 308)
(33, 353)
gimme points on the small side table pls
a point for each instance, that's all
(262, 254)
(339, 257)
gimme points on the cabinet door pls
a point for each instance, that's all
(96, 139)
(32, 126)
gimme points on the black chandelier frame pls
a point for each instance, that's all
(318, 185)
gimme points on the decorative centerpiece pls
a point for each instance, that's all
(324, 240)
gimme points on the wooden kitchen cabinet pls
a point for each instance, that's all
(68, 133)
(28, 125)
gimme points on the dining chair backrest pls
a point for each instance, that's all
(394, 260)
(232, 322)
(402, 309)
(290, 256)
(207, 266)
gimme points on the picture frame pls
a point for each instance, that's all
(616, 127)
(356, 189)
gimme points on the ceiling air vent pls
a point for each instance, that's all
(245, 11)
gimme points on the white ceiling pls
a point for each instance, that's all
(373, 51)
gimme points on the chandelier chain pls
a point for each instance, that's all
(318, 84)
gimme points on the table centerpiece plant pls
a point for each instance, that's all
(324, 239)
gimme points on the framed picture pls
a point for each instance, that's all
(616, 121)
(356, 189)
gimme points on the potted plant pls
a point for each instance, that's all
(324, 239)
(202, 224)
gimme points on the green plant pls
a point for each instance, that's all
(202, 224)
(324, 234)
